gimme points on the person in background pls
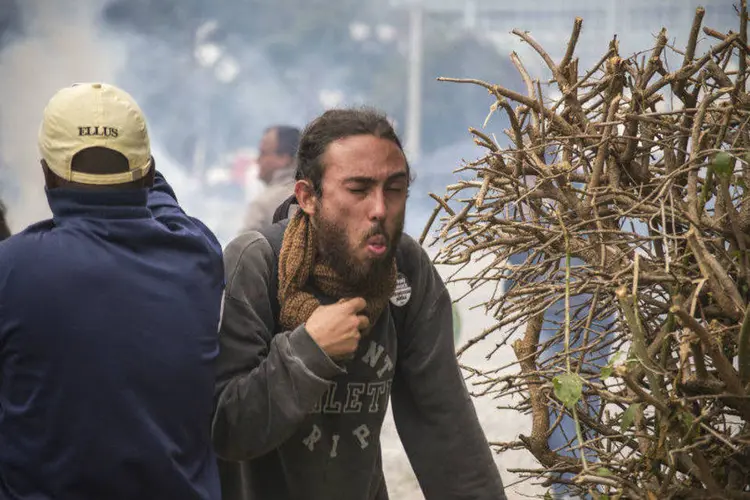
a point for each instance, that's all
(4, 229)
(109, 320)
(276, 167)
(329, 315)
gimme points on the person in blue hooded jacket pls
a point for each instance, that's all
(109, 317)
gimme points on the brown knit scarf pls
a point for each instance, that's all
(298, 267)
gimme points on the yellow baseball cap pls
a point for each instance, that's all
(89, 115)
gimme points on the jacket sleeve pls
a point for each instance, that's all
(434, 414)
(266, 383)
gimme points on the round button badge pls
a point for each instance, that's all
(402, 292)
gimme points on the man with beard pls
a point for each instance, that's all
(328, 316)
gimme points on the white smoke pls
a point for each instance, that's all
(61, 45)
(64, 42)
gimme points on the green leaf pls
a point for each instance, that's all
(687, 418)
(548, 496)
(629, 417)
(568, 389)
(723, 163)
(607, 370)
(601, 471)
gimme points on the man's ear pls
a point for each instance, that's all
(306, 196)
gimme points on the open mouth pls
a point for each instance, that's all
(377, 245)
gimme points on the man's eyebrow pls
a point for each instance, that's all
(363, 179)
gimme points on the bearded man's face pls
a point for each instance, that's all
(360, 215)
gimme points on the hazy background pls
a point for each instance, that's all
(211, 75)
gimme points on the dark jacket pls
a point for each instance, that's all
(109, 319)
(291, 424)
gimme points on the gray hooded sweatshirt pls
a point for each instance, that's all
(291, 424)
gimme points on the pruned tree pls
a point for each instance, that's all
(626, 203)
